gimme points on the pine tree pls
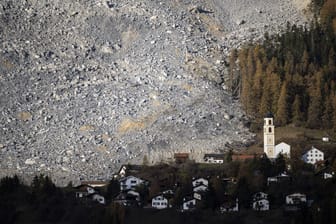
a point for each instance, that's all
(250, 62)
(275, 90)
(314, 109)
(334, 112)
(327, 113)
(282, 108)
(304, 63)
(296, 111)
(245, 96)
(257, 85)
(266, 98)
(331, 61)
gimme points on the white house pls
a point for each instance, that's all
(230, 206)
(278, 178)
(296, 199)
(261, 205)
(129, 182)
(328, 175)
(97, 197)
(200, 188)
(260, 202)
(160, 202)
(122, 171)
(214, 158)
(198, 195)
(282, 148)
(313, 155)
(189, 204)
(84, 190)
(200, 181)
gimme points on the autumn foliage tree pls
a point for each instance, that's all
(293, 74)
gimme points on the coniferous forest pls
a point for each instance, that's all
(292, 74)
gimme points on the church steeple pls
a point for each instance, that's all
(269, 136)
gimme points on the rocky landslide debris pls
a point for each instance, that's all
(88, 85)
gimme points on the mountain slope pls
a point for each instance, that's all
(88, 85)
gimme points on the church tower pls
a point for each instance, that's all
(269, 136)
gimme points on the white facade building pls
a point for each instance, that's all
(200, 188)
(100, 199)
(261, 205)
(214, 158)
(160, 202)
(313, 155)
(328, 175)
(282, 148)
(260, 202)
(189, 204)
(296, 199)
(130, 182)
(200, 181)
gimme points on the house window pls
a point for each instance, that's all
(269, 122)
(133, 181)
(270, 130)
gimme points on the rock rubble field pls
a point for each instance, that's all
(88, 85)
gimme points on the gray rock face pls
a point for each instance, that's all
(88, 85)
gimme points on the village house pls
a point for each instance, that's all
(85, 192)
(130, 183)
(200, 188)
(296, 199)
(313, 155)
(328, 175)
(97, 197)
(260, 202)
(279, 178)
(160, 202)
(128, 170)
(283, 149)
(200, 181)
(189, 203)
(198, 195)
(214, 158)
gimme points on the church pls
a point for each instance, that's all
(270, 149)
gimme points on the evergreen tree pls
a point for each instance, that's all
(296, 110)
(304, 63)
(334, 112)
(275, 90)
(282, 108)
(266, 99)
(258, 82)
(328, 113)
(314, 109)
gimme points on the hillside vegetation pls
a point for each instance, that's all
(292, 74)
